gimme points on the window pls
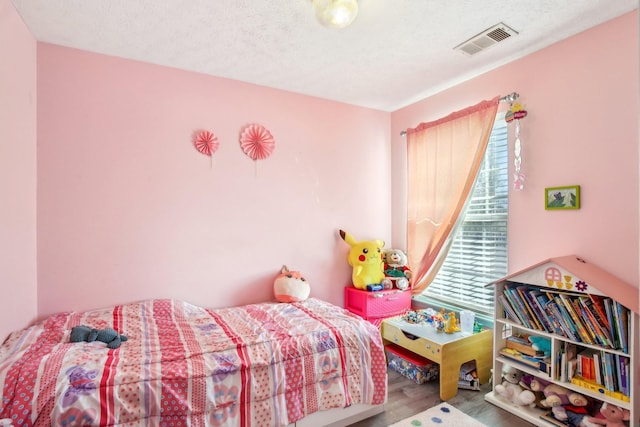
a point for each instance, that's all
(478, 254)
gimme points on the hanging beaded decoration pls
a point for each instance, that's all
(517, 112)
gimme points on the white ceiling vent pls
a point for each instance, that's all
(486, 39)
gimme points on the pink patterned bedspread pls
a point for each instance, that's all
(265, 364)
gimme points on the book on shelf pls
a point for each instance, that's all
(622, 373)
(537, 300)
(542, 364)
(598, 319)
(515, 309)
(543, 300)
(579, 326)
(518, 306)
(523, 345)
(598, 305)
(587, 365)
(622, 322)
(586, 318)
(566, 319)
(567, 362)
(532, 307)
(510, 313)
(608, 306)
(566, 329)
(586, 321)
(602, 371)
(608, 367)
(597, 388)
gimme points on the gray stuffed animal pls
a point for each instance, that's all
(107, 335)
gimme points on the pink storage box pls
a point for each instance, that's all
(377, 304)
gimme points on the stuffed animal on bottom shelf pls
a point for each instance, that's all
(614, 416)
(566, 405)
(525, 383)
(511, 390)
(555, 395)
(107, 335)
(290, 286)
(396, 269)
(366, 259)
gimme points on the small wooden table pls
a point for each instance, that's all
(450, 351)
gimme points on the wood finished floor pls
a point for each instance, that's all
(405, 398)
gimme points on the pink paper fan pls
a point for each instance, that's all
(206, 142)
(256, 142)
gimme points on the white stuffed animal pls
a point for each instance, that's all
(511, 390)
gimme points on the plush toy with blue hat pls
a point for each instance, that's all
(541, 344)
(107, 335)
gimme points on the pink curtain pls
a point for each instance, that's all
(443, 157)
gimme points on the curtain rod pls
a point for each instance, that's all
(507, 98)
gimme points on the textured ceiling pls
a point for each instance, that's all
(395, 53)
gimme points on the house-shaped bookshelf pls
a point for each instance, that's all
(574, 274)
(538, 301)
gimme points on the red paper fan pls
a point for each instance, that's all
(206, 142)
(256, 142)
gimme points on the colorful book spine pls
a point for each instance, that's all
(599, 323)
(508, 309)
(622, 319)
(585, 322)
(566, 318)
(584, 335)
(568, 331)
(608, 365)
(598, 305)
(608, 304)
(623, 371)
(513, 296)
(592, 326)
(533, 318)
(546, 321)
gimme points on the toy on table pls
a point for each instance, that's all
(511, 389)
(396, 270)
(451, 323)
(417, 317)
(366, 259)
(107, 335)
(437, 319)
(290, 286)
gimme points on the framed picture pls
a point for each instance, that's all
(562, 197)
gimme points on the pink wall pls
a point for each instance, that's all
(17, 172)
(129, 210)
(582, 128)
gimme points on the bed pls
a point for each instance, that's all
(269, 364)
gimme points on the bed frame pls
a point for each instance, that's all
(340, 417)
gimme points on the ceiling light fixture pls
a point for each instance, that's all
(336, 13)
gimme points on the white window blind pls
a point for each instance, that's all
(478, 254)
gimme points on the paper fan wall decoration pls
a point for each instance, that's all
(256, 142)
(206, 142)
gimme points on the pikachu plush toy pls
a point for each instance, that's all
(366, 259)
